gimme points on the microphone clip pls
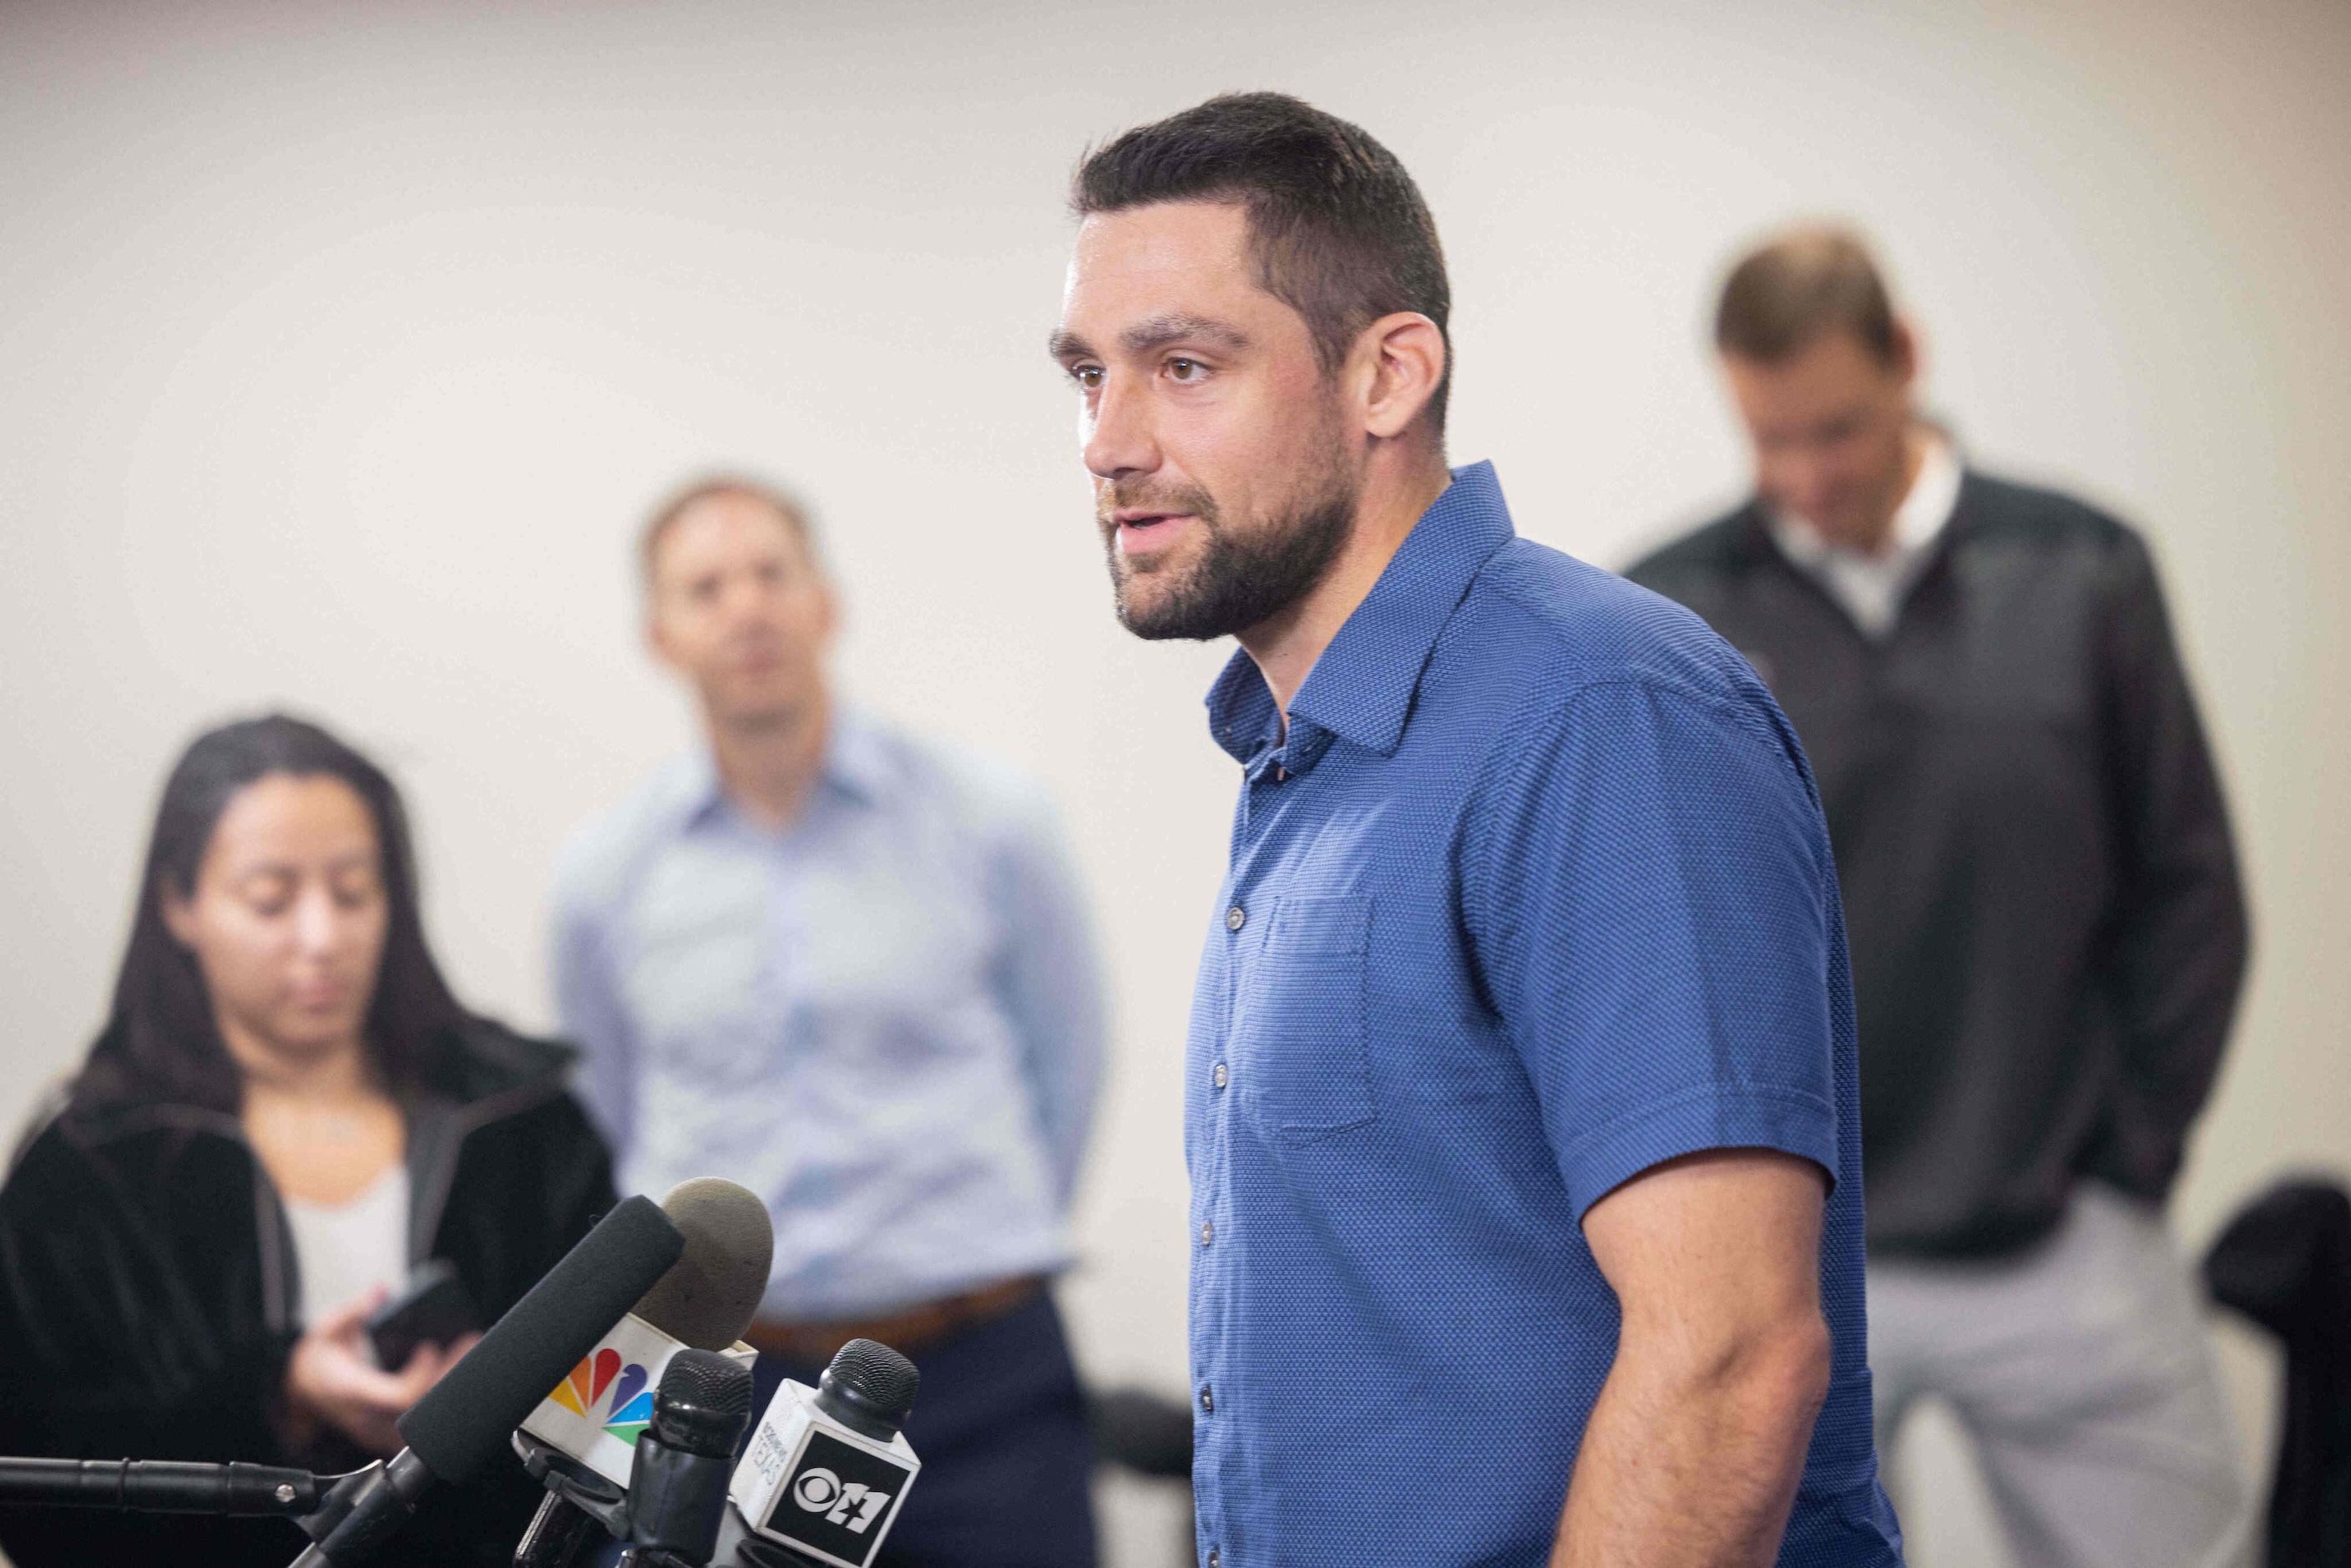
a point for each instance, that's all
(578, 1504)
(592, 1494)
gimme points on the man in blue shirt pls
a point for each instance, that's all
(851, 971)
(1520, 1105)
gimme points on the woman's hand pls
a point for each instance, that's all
(332, 1378)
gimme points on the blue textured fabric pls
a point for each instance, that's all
(1535, 894)
(883, 1019)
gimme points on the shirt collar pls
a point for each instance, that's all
(854, 763)
(855, 760)
(1362, 687)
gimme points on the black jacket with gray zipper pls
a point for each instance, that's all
(2047, 929)
(149, 1298)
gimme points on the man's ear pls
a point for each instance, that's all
(829, 627)
(656, 644)
(1903, 356)
(1406, 355)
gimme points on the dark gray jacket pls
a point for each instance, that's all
(2048, 933)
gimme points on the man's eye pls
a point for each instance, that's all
(1186, 369)
(1087, 376)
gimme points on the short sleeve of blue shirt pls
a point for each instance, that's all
(1646, 890)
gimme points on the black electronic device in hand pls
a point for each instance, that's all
(433, 1308)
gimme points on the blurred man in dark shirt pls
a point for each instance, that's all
(2048, 933)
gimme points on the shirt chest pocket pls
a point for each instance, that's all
(1302, 1057)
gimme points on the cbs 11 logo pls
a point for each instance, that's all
(850, 1504)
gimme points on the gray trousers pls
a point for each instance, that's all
(2081, 1372)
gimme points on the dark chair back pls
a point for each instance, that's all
(2284, 1261)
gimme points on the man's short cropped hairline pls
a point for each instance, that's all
(672, 508)
(1800, 286)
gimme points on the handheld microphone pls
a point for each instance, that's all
(827, 1467)
(583, 1440)
(466, 1417)
(678, 1497)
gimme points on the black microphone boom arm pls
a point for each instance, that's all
(161, 1486)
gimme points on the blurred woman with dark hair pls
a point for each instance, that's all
(287, 1110)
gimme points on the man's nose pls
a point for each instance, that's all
(747, 602)
(1117, 434)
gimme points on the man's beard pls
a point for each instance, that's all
(1240, 579)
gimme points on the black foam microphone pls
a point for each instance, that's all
(677, 1494)
(466, 1419)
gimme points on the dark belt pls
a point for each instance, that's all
(909, 1332)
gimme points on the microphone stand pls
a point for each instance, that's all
(161, 1485)
(559, 1534)
(579, 1501)
(314, 1502)
(374, 1503)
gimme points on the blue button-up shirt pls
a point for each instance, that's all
(1534, 894)
(885, 1020)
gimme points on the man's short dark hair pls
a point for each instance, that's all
(675, 506)
(1799, 286)
(1337, 228)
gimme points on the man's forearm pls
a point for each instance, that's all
(1692, 1462)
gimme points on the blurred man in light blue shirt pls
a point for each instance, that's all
(851, 971)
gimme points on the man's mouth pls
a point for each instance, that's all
(1142, 531)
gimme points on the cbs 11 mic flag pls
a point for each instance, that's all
(827, 1468)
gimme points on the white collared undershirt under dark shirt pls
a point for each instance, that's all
(1870, 586)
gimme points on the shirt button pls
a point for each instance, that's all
(1223, 1077)
(1216, 1560)
(1235, 917)
(1208, 1400)
(1208, 1232)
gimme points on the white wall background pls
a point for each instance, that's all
(341, 347)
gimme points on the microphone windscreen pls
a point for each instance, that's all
(713, 1291)
(468, 1417)
(874, 1379)
(703, 1404)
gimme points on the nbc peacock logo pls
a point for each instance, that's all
(612, 1395)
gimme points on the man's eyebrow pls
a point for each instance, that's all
(1160, 331)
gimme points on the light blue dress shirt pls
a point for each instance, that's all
(886, 1019)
